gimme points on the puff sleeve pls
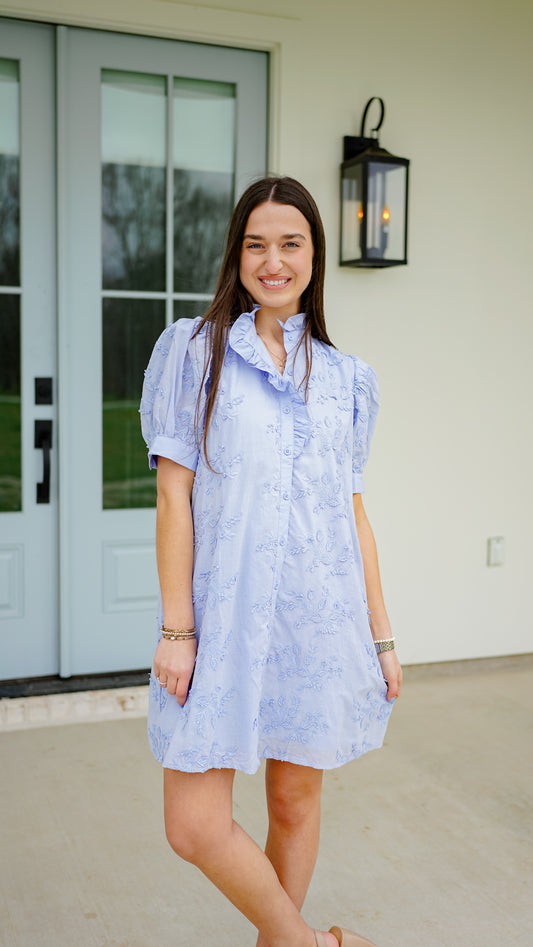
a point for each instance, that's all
(169, 396)
(366, 405)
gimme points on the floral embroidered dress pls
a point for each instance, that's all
(286, 668)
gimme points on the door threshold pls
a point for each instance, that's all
(43, 686)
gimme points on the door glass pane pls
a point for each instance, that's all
(129, 330)
(10, 452)
(133, 180)
(9, 173)
(204, 179)
(190, 308)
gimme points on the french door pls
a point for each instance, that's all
(29, 643)
(155, 141)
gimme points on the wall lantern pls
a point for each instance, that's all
(374, 191)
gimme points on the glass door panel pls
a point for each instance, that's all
(10, 391)
(144, 134)
(133, 181)
(9, 172)
(204, 156)
(10, 405)
(129, 327)
(134, 201)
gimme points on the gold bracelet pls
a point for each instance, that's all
(384, 644)
(177, 634)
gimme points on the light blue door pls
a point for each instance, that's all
(29, 639)
(157, 140)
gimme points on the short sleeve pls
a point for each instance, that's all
(169, 396)
(366, 405)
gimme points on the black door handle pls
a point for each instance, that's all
(43, 440)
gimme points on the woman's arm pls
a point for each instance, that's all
(379, 620)
(174, 660)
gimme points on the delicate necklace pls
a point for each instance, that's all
(279, 362)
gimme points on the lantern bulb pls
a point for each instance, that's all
(360, 212)
(385, 216)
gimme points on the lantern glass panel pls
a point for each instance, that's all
(387, 185)
(352, 213)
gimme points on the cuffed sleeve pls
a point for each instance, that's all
(366, 405)
(169, 397)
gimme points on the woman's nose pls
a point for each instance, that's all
(273, 261)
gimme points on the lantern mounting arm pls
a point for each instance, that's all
(353, 146)
(375, 98)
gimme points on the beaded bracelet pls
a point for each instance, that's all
(384, 644)
(177, 634)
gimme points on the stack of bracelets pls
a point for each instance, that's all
(177, 634)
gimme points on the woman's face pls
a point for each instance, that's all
(277, 258)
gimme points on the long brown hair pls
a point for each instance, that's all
(232, 299)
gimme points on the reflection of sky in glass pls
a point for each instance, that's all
(204, 178)
(133, 180)
(133, 118)
(9, 173)
(9, 107)
(204, 125)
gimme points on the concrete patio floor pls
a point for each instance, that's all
(426, 843)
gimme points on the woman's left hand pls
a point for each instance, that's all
(392, 672)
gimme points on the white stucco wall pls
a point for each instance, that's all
(450, 334)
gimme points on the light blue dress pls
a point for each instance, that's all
(286, 668)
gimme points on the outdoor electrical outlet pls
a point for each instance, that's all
(495, 551)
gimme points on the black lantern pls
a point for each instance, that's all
(374, 191)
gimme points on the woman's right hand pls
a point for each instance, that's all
(174, 666)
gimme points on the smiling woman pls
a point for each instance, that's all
(260, 430)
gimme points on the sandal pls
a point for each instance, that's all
(349, 939)
(345, 938)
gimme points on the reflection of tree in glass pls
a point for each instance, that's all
(203, 202)
(129, 330)
(9, 345)
(9, 220)
(133, 227)
(10, 429)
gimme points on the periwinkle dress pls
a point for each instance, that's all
(286, 668)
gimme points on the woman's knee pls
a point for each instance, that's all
(293, 793)
(196, 825)
(183, 836)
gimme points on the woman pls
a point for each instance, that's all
(270, 589)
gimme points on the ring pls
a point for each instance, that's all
(163, 685)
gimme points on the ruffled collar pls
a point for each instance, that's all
(243, 340)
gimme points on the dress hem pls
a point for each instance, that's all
(251, 767)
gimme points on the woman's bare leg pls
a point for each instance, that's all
(200, 828)
(293, 800)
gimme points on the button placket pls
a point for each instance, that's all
(286, 439)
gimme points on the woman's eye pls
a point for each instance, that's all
(253, 246)
(291, 244)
